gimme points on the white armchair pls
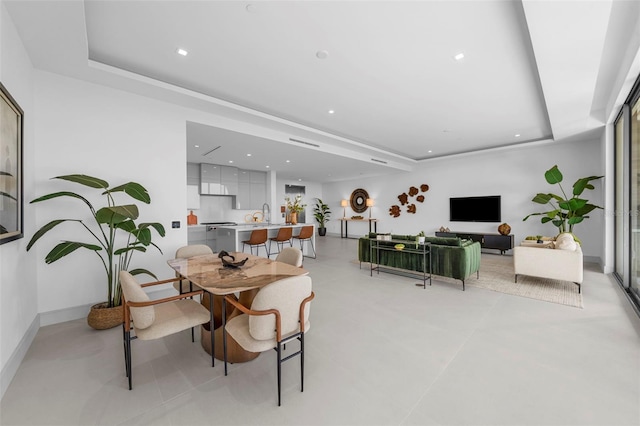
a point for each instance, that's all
(556, 264)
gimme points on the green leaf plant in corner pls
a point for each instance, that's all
(107, 224)
(565, 211)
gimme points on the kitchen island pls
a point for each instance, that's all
(230, 237)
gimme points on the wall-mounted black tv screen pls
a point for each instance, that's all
(475, 209)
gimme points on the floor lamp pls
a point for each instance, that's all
(344, 204)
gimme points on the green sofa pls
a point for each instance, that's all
(450, 257)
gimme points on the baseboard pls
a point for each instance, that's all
(64, 315)
(11, 367)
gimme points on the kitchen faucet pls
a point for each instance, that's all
(266, 215)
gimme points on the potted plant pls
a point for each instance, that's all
(322, 213)
(420, 237)
(108, 223)
(294, 207)
(566, 211)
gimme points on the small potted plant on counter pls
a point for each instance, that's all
(294, 207)
(322, 213)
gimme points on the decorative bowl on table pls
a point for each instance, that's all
(229, 261)
(399, 246)
(357, 217)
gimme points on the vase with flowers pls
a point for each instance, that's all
(294, 206)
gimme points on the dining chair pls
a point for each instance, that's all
(279, 314)
(290, 255)
(154, 319)
(306, 234)
(284, 236)
(258, 238)
(185, 252)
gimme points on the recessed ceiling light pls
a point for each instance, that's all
(182, 52)
(248, 155)
(429, 151)
(459, 56)
(288, 161)
(299, 180)
(518, 135)
(267, 166)
(331, 111)
(230, 161)
(196, 146)
(322, 54)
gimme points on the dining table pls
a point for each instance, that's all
(207, 272)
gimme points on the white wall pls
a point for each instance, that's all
(18, 284)
(516, 174)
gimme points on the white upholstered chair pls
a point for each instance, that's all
(290, 255)
(185, 252)
(154, 319)
(279, 314)
(565, 264)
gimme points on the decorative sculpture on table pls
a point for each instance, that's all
(229, 261)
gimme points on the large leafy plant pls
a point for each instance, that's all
(565, 211)
(321, 212)
(108, 223)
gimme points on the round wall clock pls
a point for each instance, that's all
(359, 200)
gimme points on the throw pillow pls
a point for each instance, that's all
(565, 241)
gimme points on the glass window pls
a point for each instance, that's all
(619, 224)
(635, 197)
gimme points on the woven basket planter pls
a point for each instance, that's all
(101, 317)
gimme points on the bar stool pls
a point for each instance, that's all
(284, 235)
(306, 234)
(258, 238)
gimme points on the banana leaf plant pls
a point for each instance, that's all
(565, 211)
(108, 223)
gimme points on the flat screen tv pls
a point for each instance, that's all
(475, 209)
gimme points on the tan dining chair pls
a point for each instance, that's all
(279, 314)
(284, 236)
(154, 319)
(185, 252)
(258, 238)
(291, 256)
(306, 234)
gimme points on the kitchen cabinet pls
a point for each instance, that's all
(193, 197)
(218, 180)
(193, 174)
(202, 234)
(210, 179)
(228, 180)
(252, 190)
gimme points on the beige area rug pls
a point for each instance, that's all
(496, 274)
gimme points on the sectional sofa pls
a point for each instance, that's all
(450, 257)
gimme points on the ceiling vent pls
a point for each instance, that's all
(209, 152)
(304, 143)
(379, 161)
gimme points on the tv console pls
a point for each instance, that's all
(488, 241)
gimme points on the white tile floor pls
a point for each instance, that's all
(381, 351)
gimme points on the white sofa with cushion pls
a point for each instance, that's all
(564, 262)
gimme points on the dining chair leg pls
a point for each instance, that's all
(128, 357)
(302, 362)
(279, 371)
(124, 344)
(211, 323)
(224, 334)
